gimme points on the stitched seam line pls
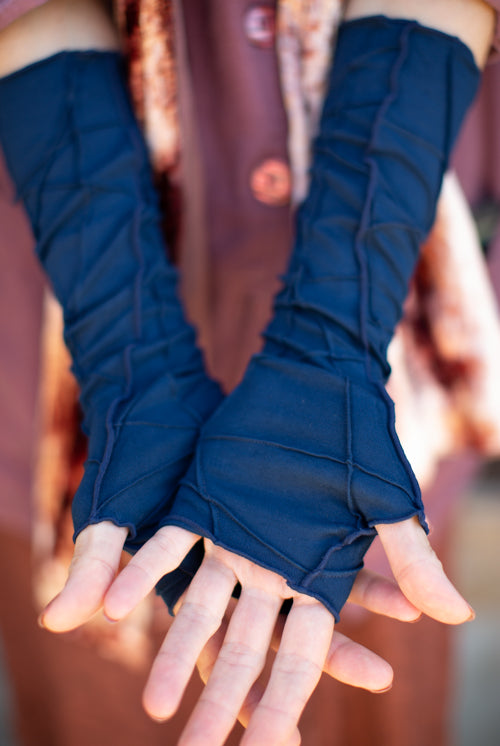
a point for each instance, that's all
(370, 194)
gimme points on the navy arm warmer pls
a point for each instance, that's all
(80, 165)
(302, 460)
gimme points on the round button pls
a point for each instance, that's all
(260, 26)
(271, 183)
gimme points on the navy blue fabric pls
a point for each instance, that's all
(80, 166)
(302, 460)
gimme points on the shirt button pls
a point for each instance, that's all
(271, 183)
(260, 26)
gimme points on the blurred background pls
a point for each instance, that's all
(475, 712)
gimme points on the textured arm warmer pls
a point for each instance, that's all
(300, 463)
(80, 166)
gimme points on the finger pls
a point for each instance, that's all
(208, 656)
(349, 662)
(240, 661)
(382, 596)
(355, 665)
(305, 643)
(205, 664)
(197, 620)
(160, 555)
(420, 574)
(94, 565)
(250, 704)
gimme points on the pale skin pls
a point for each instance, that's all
(231, 649)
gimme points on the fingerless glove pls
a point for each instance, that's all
(302, 460)
(80, 165)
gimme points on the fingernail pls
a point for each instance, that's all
(40, 621)
(381, 691)
(472, 615)
(417, 619)
(109, 619)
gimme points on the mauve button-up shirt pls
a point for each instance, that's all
(12, 9)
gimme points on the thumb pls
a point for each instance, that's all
(420, 574)
(94, 565)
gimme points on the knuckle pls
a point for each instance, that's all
(194, 613)
(413, 567)
(92, 564)
(297, 666)
(164, 542)
(105, 566)
(239, 655)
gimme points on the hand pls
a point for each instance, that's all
(197, 630)
(97, 557)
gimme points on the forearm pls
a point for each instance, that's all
(318, 439)
(80, 165)
(53, 27)
(472, 21)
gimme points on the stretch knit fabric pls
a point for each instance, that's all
(83, 173)
(302, 461)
